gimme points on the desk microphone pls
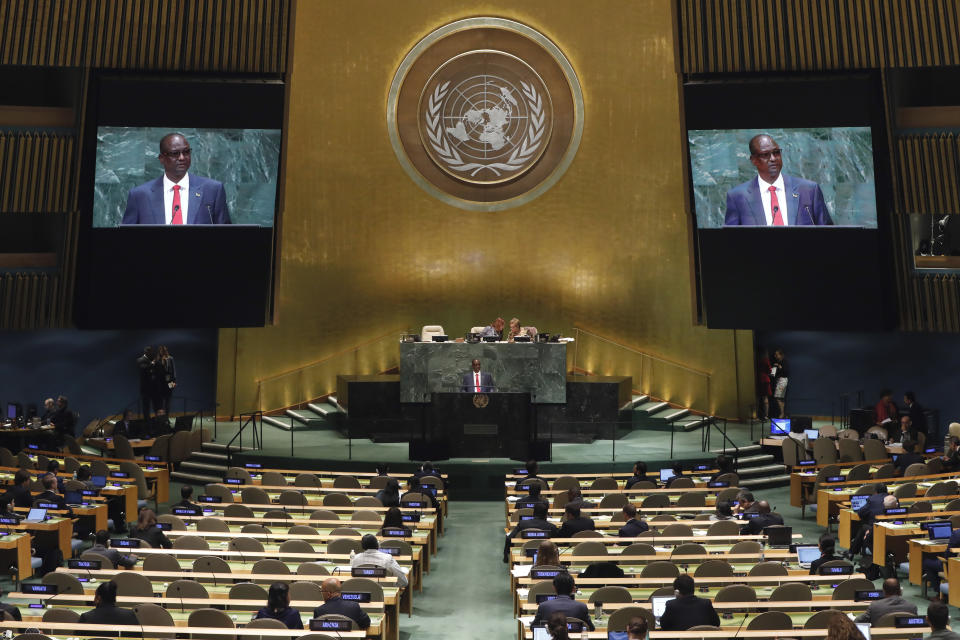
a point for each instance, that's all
(236, 548)
(179, 595)
(742, 622)
(136, 612)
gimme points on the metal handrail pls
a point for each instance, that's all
(712, 422)
(255, 420)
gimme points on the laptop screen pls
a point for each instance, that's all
(99, 481)
(666, 474)
(812, 434)
(807, 554)
(72, 497)
(864, 628)
(11, 410)
(659, 605)
(780, 427)
(37, 515)
(857, 502)
(939, 530)
(541, 633)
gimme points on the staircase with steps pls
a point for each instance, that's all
(205, 466)
(756, 468)
(660, 416)
(314, 415)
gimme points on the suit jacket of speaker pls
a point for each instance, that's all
(469, 383)
(805, 205)
(206, 203)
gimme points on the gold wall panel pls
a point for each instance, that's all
(788, 35)
(364, 251)
(38, 172)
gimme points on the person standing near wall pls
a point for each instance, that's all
(166, 377)
(779, 378)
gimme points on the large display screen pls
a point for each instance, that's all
(789, 190)
(231, 175)
(181, 182)
(827, 176)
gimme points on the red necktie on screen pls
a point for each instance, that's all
(477, 375)
(775, 208)
(177, 218)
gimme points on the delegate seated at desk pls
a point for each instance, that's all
(477, 381)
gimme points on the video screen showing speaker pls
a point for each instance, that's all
(180, 184)
(789, 191)
(185, 175)
(789, 177)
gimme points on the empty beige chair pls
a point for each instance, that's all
(122, 448)
(736, 593)
(644, 484)
(824, 451)
(245, 544)
(746, 546)
(821, 619)
(849, 434)
(590, 548)
(221, 491)
(847, 589)
(663, 517)
(273, 479)
(850, 450)
(301, 590)
(915, 469)
(920, 507)
(215, 618)
(337, 500)
(614, 501)
(691, 500)
(660, 569)
(306, 480)
(270, 565)
(906, 490)
(890, 620)
(296, 546)
(836, 563)
(153, 615)
(540, 588)
(792, 591)
(344, 531)
(639, 549)
(602, 484)
(133, 584)
(610, 593)
(885, 471)
(238, 511)
(828, 431)
(859, 472)
(592, 533)
(945, 488)
(677, 529)
(176, 524)
(690, 549)
(343, 546)
(104, 561)
(731, 478)
(254, 495)
(713, 568)
(293, 498)
(186, 589)
(373, 516)
(723, 528)
(655, 501)
(161, 562)
(325, 515)
(190, 542)
(367, 501)
(346, 482)
(302, 530)
(210, 564)
(312, 569)
(254, 528)
(61, 615)
(934, 465)
(430, 330)
(276, 514)
(875, 449)
(770, 620)
(248, 591)
(768, 568)
(213, 524)
(364, 585)
(683, 483)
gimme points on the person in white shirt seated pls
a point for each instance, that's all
(371, 555)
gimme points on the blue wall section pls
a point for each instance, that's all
(97, 370)
(822, 365)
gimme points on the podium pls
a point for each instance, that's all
(486, 425)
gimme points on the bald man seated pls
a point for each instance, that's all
(892, 600)
(762, 521)
(334, 604)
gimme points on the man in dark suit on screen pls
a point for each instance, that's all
(176, 197)
(774, 199)
(477, 381)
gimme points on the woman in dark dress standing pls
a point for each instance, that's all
(167, 371)
(764, 387)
